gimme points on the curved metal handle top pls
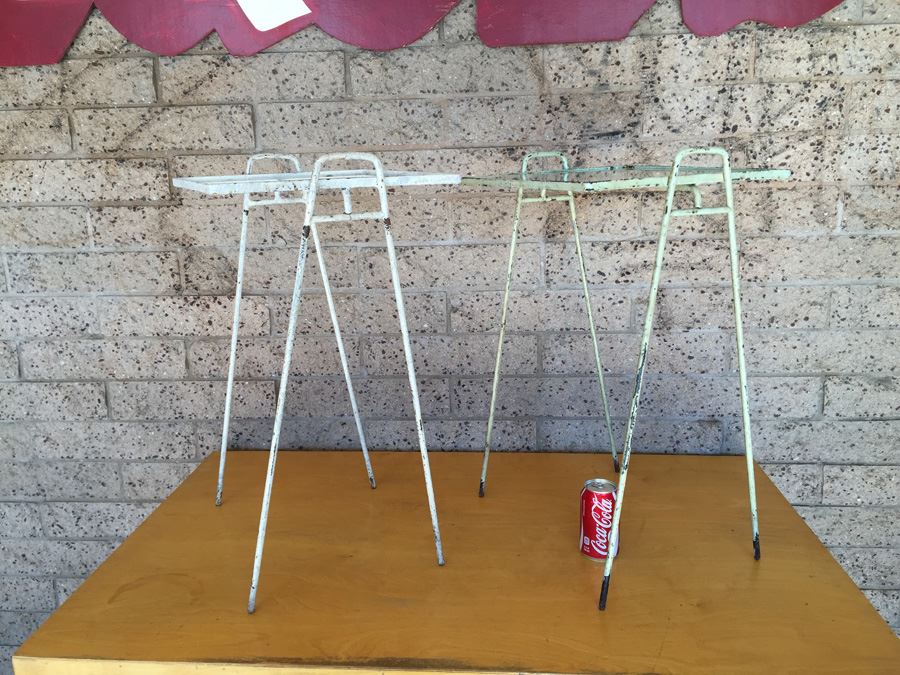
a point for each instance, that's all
(715, 150)
(356, 156)
(564, 162)
(377, 166)
(271, 156)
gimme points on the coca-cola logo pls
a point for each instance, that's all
(602, 515)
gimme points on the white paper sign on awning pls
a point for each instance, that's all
(269, 14)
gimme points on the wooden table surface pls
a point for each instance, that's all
(349, 578)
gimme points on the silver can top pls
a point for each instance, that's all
(600, 486)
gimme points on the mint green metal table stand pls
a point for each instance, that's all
(677, 178)
(543, 197)
(671, 212)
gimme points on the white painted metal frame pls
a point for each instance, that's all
(264, 183)
(308, 185)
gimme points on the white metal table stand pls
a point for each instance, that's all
(249, 203)
(309, 185)
(541, 198)
(678, 178)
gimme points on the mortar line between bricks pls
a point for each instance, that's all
(212, 422)
(348, 80)
(6, 275)
(463, 242)
(730, 418)
(254, 123)
(20, 365)
(108, 400)
(187, 343)
(822, 396)
(126, 154)
(42, 521)
(94, 501)
(829, 308)
(70, 124)
(397, 376)
(59, 540)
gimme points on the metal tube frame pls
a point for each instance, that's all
(309, 227)
(521, 199)
(670, 212)
(345, 366)
(249, 203)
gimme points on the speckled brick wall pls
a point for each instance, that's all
(115, 305)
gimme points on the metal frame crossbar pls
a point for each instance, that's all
(677, 178)
(304, 188)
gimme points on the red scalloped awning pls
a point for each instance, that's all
(519, 22)
(35, 32)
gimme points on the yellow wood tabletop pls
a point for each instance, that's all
(349, 579)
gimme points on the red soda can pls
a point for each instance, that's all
(598, 501)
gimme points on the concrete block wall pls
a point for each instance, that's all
(116, 289)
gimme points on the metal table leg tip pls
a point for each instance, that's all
(604, 591)
(481, 489)
(615, 464)
(372, 482)
(756, 552)
(251, 608)
(218, 500)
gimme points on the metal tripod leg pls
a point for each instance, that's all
(407, 346)
(742, 362)
(639, 381)
(413, 386)
(520, 200)
(279, 411)
(232, 358)
(503, 317)
(384, 215)
(320, 255)
(590, 313)
(728, 210)
(235, 325)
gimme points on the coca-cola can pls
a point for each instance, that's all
(598, 501)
